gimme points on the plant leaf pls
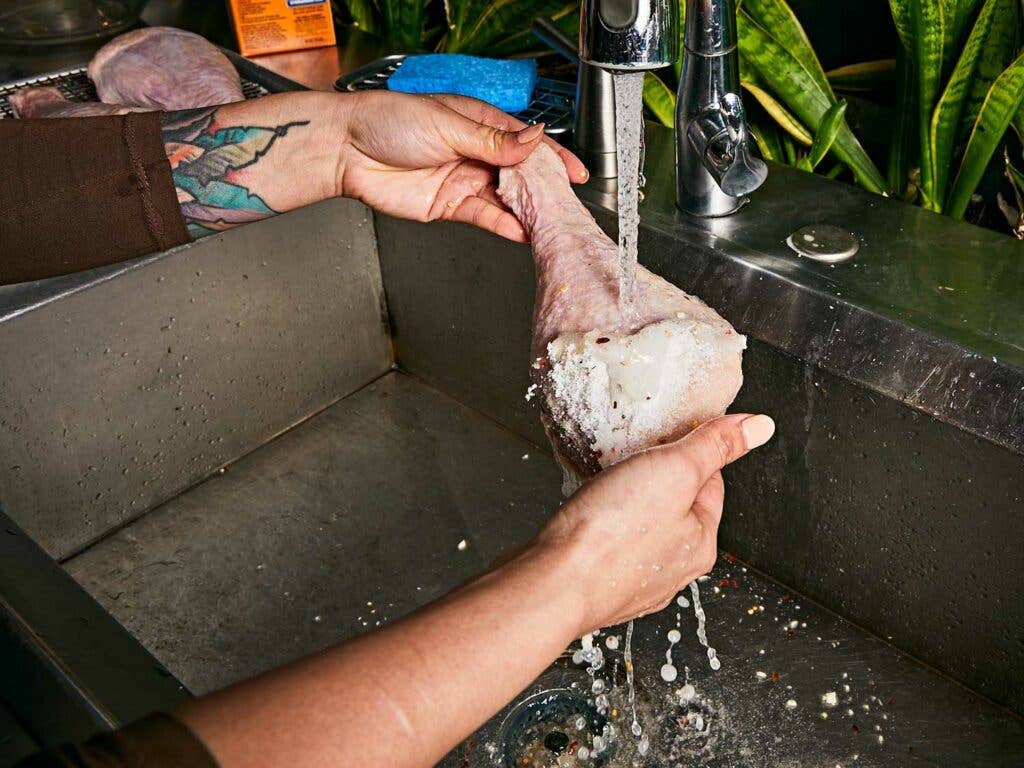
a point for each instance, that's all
(788, 149)
(835, 170)
(901, 146)
(1001, 104)
(659, 99)
(827, 132)
(403, 23)
(801, 94)
(965, 12)
(946, 119)
(476, 25)
(363, 15)
(767, 142)
(780, 114)
(927, 31)
(901, 18)
(994, 57)
(864, 76)
(777, 16)
(682, 34)
(566, 18)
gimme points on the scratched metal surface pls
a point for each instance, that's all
(281, 555)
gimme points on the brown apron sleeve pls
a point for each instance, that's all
(158, 741)
(82, 192)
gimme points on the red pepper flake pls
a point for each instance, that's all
(774, 677)
(855, 728)
(723, 583)
(729, 558)
(790, 633)
(603, 340)
(599, 454)
(735, 584)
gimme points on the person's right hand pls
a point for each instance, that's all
(640, 531)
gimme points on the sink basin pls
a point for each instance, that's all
(285, 435)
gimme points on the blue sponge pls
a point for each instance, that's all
(505, 83)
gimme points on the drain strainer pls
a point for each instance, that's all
(824, 242)
(550, 728)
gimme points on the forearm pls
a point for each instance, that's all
(251, 160)
(406, 695)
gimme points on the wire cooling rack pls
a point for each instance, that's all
(553, 101)
(75, 85)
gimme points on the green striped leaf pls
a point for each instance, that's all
(966, 11)
(803, 96)
(926, 24)
(777, 16)
(945, 121)
(901, 18)
(659, 99)
(780, 114)
(1001, 104)
(994, 57)
(864, 76)
(827, 132)
(949, 9)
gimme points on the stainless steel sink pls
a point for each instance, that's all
(273, 439)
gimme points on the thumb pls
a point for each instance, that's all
(722, 441)
(495, 146)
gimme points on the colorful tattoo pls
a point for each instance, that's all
(205, 160)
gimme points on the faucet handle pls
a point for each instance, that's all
(722, 141)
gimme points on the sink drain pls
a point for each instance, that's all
(549, 729)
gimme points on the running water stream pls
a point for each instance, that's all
(629, 132)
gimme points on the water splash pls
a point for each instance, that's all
(702, 634)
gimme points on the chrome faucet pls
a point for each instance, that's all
(715, 166)
(615, 36)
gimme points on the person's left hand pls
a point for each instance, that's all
(437, 157)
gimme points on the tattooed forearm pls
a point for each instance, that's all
(206, 157)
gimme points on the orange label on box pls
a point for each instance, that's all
(273, 26)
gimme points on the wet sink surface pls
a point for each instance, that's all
(355, 517)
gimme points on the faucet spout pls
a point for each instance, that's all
(716, 166)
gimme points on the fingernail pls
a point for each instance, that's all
(530, 134)
(757, 430)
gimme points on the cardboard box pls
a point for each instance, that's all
(273, 26)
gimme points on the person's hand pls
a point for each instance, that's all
(437, 157)
(641, 530)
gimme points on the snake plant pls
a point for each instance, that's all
(491, 27)
(959, 87)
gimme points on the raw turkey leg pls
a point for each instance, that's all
(49, 102)
(611, 386)
(166, 68)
